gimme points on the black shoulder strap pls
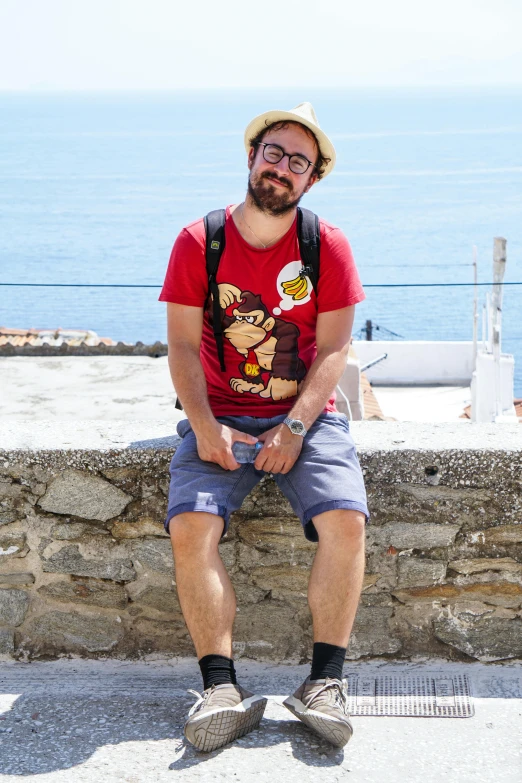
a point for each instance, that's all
(309, 243)
(215, 244)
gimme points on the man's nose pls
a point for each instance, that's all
(282, 166)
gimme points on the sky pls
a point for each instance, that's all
(178, 44)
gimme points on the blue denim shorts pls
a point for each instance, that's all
(326, 475)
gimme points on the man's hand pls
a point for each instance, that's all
(228, 294)
(215, 445)
(280, 451)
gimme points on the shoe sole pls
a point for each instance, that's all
(336, 732)
(215, 729)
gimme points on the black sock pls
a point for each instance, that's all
(217, 670)
(327, 661)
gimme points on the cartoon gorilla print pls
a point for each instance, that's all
(271, 367)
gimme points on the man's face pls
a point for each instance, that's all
(272, 186)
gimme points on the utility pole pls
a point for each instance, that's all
(475, 308)
(499, 268)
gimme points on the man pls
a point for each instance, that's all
(285, 349)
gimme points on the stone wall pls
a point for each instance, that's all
(86, 568)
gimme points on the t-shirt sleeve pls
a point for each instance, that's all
(186, 277)
(339, 283)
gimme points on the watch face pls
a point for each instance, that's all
(297, 427)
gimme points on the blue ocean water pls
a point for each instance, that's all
(95, 187)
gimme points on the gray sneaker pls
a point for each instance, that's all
(222, 714)
(323, 706)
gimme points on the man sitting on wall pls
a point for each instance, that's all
(284, 347)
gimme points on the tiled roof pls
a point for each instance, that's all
(34, 337)
(372, 409)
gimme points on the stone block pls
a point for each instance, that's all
(476, 565)
(274, 533)
(408, 535)
(268, 630)
(281, 579)
(502, 534)
(69, 560)
(376, 599)
(143, 526)
(162, 636)
(70, 531)
(415, 571)
(6, 641)
(372, 633)
(12, 545)
(154, 554)
(266, 500)
(80, 494)
(6, 517)
(16, 579)
(161, 598)
(248, 594)
(13, 606)
(508, 594)
(227, 551)
(86, 591)
(70, 632)
(484, 638)
(428, 495)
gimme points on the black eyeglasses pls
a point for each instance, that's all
(273, 153)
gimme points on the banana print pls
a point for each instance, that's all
(296, 288)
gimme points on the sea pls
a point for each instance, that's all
(94, 188)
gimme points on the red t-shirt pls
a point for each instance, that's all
(269, 313)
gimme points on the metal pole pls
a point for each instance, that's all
(475, 308)
(368, 330)
(499, 268)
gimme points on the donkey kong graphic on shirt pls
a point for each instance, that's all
(271, 367)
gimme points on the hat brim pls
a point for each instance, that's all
(262, 120)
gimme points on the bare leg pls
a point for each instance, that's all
(206, 595)
(337, 575)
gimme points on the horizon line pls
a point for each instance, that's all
(278, 89)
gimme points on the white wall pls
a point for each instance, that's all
(484, 390)
(417, 362)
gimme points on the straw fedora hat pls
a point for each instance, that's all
(303, 113)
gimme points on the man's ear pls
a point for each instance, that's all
(251, 156)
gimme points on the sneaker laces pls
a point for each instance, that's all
(202, 700)
(340, 696)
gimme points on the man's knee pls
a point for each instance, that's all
(340, 525)
(193, 530)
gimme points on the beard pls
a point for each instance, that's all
(269, 199)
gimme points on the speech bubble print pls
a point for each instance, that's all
(293, 289)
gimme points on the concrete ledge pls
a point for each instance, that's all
(369, 435)
(86, 569)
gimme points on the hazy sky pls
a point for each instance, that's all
(162, 44)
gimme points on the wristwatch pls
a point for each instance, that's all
(295, 426)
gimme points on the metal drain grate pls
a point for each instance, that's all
(420, 695)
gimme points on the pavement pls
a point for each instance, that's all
(129, 388)
(122, 722)
(86, 387)
(423, 403)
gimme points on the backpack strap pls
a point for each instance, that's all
(215, 244)
(309, 244)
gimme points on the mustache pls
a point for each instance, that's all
(283, 180)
